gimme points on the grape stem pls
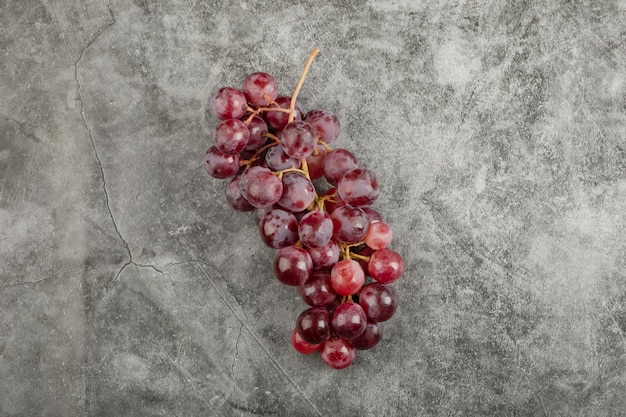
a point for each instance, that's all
(249, 162)
(279, 174)
(292, 104)
(325, 145)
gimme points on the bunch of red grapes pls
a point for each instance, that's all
(331, 245)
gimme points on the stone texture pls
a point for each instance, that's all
(497, 131)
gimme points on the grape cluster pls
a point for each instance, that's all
(313, 205)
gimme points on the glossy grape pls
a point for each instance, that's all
(313, 325)
(350, 224)
(260, 186)
(277, 160)
(317, 290)
(374, 214)
(324, 257)
(347, 277)
(301, 345)
(315, 228)
(298, 139)
(379, 301)
(219, 164)
(325, 123)
(337, 353)
(379, 235)
(231, 136)
(228, 103)
(349, 320)
(278, 228)
(298, 192)
(292, 265)
(369, 338)
(258, 85)
(234, 197)
(336, 163)
(386, 266)
(358, 187)
(257, 128)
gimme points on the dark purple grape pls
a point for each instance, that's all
(292, 265)
(298, 192)
(336, 163)
(228, 103)
(220, 165)
(379, 301)
(277, 160)
(317, 290)
(369, 338)
(324, 257)
(313, 325)
(257, 128)
(315, 228)
(234, 197)
(349, 320)
(260, 186)
(277, 119)
(256, 86)
(231, 136)
(278, 229)
(350, 224)
(298, 139)
(325, 123)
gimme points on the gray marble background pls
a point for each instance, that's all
(497, 131)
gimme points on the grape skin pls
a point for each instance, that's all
(228, 103)
(337, 353)
(278, 229)
(220, 165)
(257, 85)
(260, 186)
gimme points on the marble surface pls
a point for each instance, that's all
(497, 131)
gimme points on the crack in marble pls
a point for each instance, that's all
(129, 253)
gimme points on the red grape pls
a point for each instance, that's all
(337, 353)
(379, 301)
(379, 235)
(228, 103)
(298, 139)
(315, 228)
(369, 338)
(258, 85)
(219, 164)
(385, 266)
(358, 187)
(277, 160)
(257, 128)
(234, 197)
(301, 345)
(336, 163)
(298, 192)
(349, 320)
(278, 228)
(350, 224)
(292, 265)
(231, 136)
(325, 123)
(317, 290)
(347, 277)
(325, 256)
(260, 186)
(313, 325)
(278, 119)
